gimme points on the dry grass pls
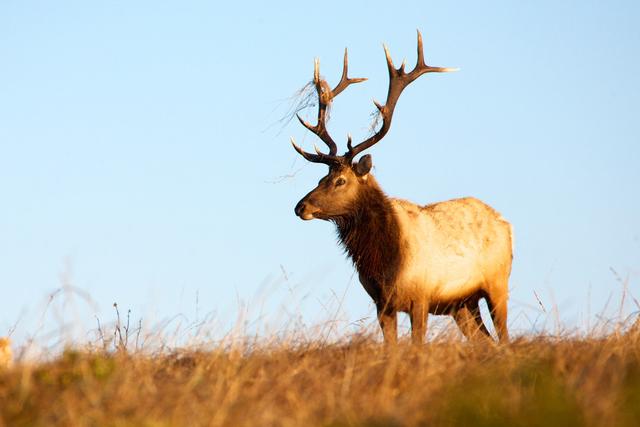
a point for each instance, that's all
(531, 381)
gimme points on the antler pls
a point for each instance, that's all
(398, 80)
(325, 97)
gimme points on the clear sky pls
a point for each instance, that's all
(143, 160)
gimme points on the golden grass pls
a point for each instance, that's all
(6, 355)
(531, 381)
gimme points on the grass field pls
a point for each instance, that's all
(532, 381)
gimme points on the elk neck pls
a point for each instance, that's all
(370, 234)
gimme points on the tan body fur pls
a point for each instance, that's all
(451, 249)
(453, 253)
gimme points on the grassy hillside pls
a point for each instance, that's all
(531, 381)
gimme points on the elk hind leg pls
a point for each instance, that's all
(465, 321)
(497, 302)
(479, 329)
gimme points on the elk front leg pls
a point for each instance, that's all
(418, 315)
(388, 323)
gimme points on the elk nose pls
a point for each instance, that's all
(299, 210)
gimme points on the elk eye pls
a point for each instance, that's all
(340, 181)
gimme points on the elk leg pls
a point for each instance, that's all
(418, 315)
(474, 309)
(465, 321)
(497, 303)
(388, 323)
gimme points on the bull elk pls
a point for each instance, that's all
(440, 258)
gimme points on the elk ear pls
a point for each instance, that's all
(363, 166)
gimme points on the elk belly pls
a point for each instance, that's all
(439, 278)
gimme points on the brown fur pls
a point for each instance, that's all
(371, 237)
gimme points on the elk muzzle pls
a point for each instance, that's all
(304, 210)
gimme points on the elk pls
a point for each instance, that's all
(440, 258)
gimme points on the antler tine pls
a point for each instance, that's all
(420, 61)
(421, 67)
(345, 80)
(398, 80)
(320, 157)
(390, 66)
(316, 70)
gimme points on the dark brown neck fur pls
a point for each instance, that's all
(371, 236)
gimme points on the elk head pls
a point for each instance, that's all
(337, 192)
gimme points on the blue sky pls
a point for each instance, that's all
(143, 160)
